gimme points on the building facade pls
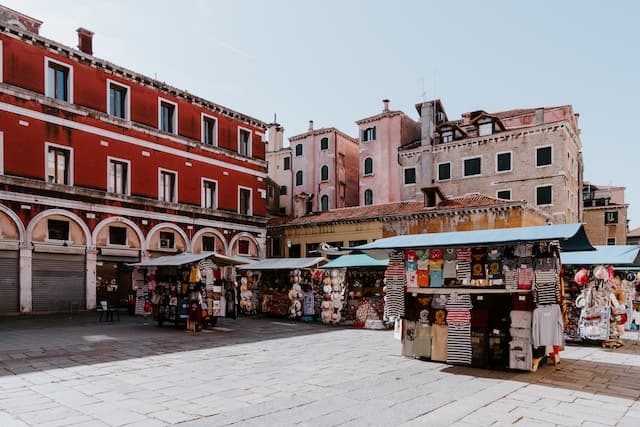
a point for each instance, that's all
(101, 166)
(354, 226)
(325, 170)
(605, 214)
(526, 154)
(279, 160)
(381, 136)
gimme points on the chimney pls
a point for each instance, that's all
(85, 40)
(310, 125)
(386, 105)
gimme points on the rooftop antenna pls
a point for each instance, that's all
(274, 118)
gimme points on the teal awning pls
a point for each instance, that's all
(284, 263)
(620, 255)
(353, 261)
(572, 237)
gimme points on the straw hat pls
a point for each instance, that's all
(600, 273)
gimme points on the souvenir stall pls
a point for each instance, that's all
(601, 294)
(488, 298)
(189, 289)
(282, 287)
(362, 284)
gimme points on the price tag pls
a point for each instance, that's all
(522, 298)
(480, 298)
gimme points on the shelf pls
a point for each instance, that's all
(433, 291)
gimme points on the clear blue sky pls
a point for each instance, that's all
(333, 61)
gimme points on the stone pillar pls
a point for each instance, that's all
(90, 290)
(26, 256)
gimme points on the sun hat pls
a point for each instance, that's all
(326, 289)
(581, 277)
(600, 273)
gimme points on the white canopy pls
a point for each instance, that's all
(284, 263)
(189, 258)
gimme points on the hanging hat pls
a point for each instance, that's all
(600, 273)
(630, 277)
(581, 277)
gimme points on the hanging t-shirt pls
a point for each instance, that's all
(478, 261)
(423, 278)
(525, 277)
(449, 270)
(495, 269)
(546, 293)
(436, 254)
(439, 301)
(435, 264)
(435, 278)
(449, 254)
(547, 326)
(422, 341)
(463, 254)
(439, 335)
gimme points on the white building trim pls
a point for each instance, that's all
(16, 219)
(115, 219)
(127, 102)
(75, 218)
(174, 119)
(46, 160)
(171, 226)
(129, 174)
(209, 230)
(48, 90)
(204, 116)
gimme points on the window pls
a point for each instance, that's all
(208, 244)
(472, 166)
(59, 80)
(485, 129)
(503, 162)
(324, 173)
(447, 136)
(287, 163)
(369, 134)
(117, 235)
(503, 194)
(244, 142)
(444, 171)
(58, 165)
(283, 190)
(167, 186)
(209, 194)
(368, 197)
(167, 116)
(244, 201)
(368, 166)
(611, 217)
(118, 176)
(611, 241)
(243, 247)
(324, 203)
(410, 175)
(324, 143)
(543, 156)
(166, 240)
(544, 195)
(57, 229)
(299, 178)
(299, 150)
(118, 99)
(209, 130)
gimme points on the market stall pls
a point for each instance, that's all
(362, 281)
(282, 287)
(187, 288)
(486, 298)
(601, 293)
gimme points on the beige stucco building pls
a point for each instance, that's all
(525, 154)
(279, 170)
(605, 214)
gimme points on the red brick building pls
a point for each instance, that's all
(102, 166)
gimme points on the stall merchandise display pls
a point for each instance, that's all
(333, 287)
(295, 295)
(395, 280)
(364, 307)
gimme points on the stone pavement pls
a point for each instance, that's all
(74, 371)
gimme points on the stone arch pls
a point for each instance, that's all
(244, 235)
(49, 212)
(213, 231)
(17, 221)
(102, 224)
(158, 227)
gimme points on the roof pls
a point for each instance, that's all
(388, 113)
(321, 131)
(634, 233)
(572, 237)
(613, 255)
(188, 258)
(358, 260)
(369, 212)
(284, 263)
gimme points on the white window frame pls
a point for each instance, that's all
(505, 189)
(202, 193)
(248, 246)
(127, 101)
(446, 136)
(160, 239)
(128, 163)
(126, 236)
(49, 240)
(1, 61)
(404, 175)
(160, 183)
(204, 116)
(249, 146)
(536, 155)
(438, 172)
(1, 148)
(324, 180)
(535, 194)
(364, 166)
(364, 197)
(48, 90)
(250, 211)
(463, 168)
(46, 160)
(485, 125)
(175, 115)
(511, 162)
